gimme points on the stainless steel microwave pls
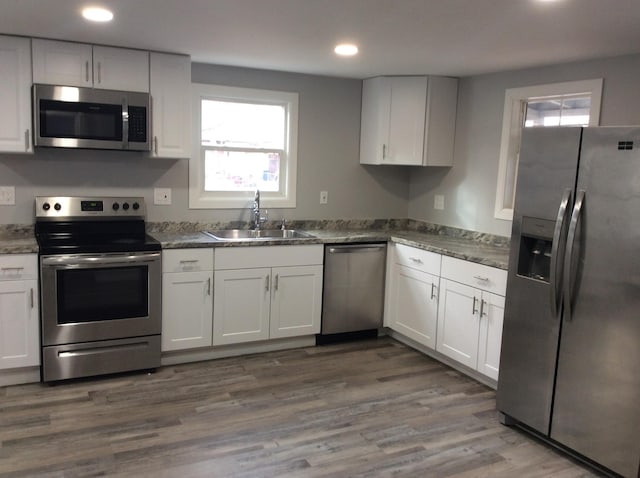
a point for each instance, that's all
(74, 117)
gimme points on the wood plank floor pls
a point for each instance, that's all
(368, 409)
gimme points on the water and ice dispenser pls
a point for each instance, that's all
(536, 240)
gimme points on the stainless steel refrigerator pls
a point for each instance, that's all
(570, 360)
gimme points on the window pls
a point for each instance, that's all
(574, 103)
(245, 139)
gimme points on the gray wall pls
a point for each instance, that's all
(469, 186)
(328, 150)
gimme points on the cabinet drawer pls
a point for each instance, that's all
(474, 274)
(268, 256)
(418, 259)
(18, 266)
(187, 260)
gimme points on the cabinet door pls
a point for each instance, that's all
(15, 98)
(62, 63)
(459, 322)
(490, 342)
(296, 303)
(374, 132)
(120, 69)
(406, 120)
(19, 327)
(440, 125)
(241, 305)
(413, 308)
(187, 310)
(170, 84)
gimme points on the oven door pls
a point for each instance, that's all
(89, 297)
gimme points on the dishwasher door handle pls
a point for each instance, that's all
(356, 248)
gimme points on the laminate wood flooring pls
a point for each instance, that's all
(374, 408)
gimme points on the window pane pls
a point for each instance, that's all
(241, 171)
(558, 111)
(243, 125)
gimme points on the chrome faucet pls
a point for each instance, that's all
(256, 218)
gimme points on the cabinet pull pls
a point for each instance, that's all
(99, 72)
(155, 145)
(266, 283)
(86, 71)
(12, 270)
(473, 307)
(188, 261)
(26, 140)
(209, 286)
(384, 151)
(483, 312)
(481, 278)
(416, 260)
(433, 288)
(31, 298)
(275, 286)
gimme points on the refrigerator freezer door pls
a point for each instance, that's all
(596, 409)
(547, 170)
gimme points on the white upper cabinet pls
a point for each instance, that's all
(170, 82)
(77, 64)
(15, 97)
(408, 120)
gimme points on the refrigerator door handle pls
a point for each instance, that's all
(568, 258)
(555, 276)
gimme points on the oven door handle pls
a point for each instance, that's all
(97, 260)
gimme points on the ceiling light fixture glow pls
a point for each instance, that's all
(97, 14)
(346, 49)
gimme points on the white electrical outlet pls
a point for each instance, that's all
(438, 202)
(324, 197)
(7, 195)
(162, 196)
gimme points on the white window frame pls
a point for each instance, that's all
(512, 121)
(286, 198)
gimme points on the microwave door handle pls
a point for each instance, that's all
(125, 124)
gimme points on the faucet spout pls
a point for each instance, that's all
(256, 217)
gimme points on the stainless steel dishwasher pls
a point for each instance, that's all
(353, 294)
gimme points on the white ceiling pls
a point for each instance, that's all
(442, 37)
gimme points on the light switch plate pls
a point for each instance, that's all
(7, 195)
(162, 196)
(438, 202)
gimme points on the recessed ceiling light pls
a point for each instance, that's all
(346, 49)
(97, 14)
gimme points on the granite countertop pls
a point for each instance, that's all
(17, 239)
(467, 248)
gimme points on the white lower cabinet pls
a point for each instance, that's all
(412, 293)
(187, 298)
(19, 318)
(266, 292)
(471, 314)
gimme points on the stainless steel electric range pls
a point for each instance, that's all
(100, 286)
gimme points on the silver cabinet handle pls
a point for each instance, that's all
(16, 270)
(568, 259)
(266, 283)
(481, 278)
(384, 151)
(433, 288)
(26, 140)
(483, 312)
(416, 260)
(99, 72)
(155, 145)
(557, 252)
(209, 286)
(275, 286)
(86, 71)
(31, 297)
(473, 307)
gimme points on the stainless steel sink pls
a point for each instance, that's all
(256, 234)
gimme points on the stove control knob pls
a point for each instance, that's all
(115, 206)
(125, 206)
(46, 206)
(136, 206)
(57, 206)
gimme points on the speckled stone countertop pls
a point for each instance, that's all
(17, 239)
(467, 245)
